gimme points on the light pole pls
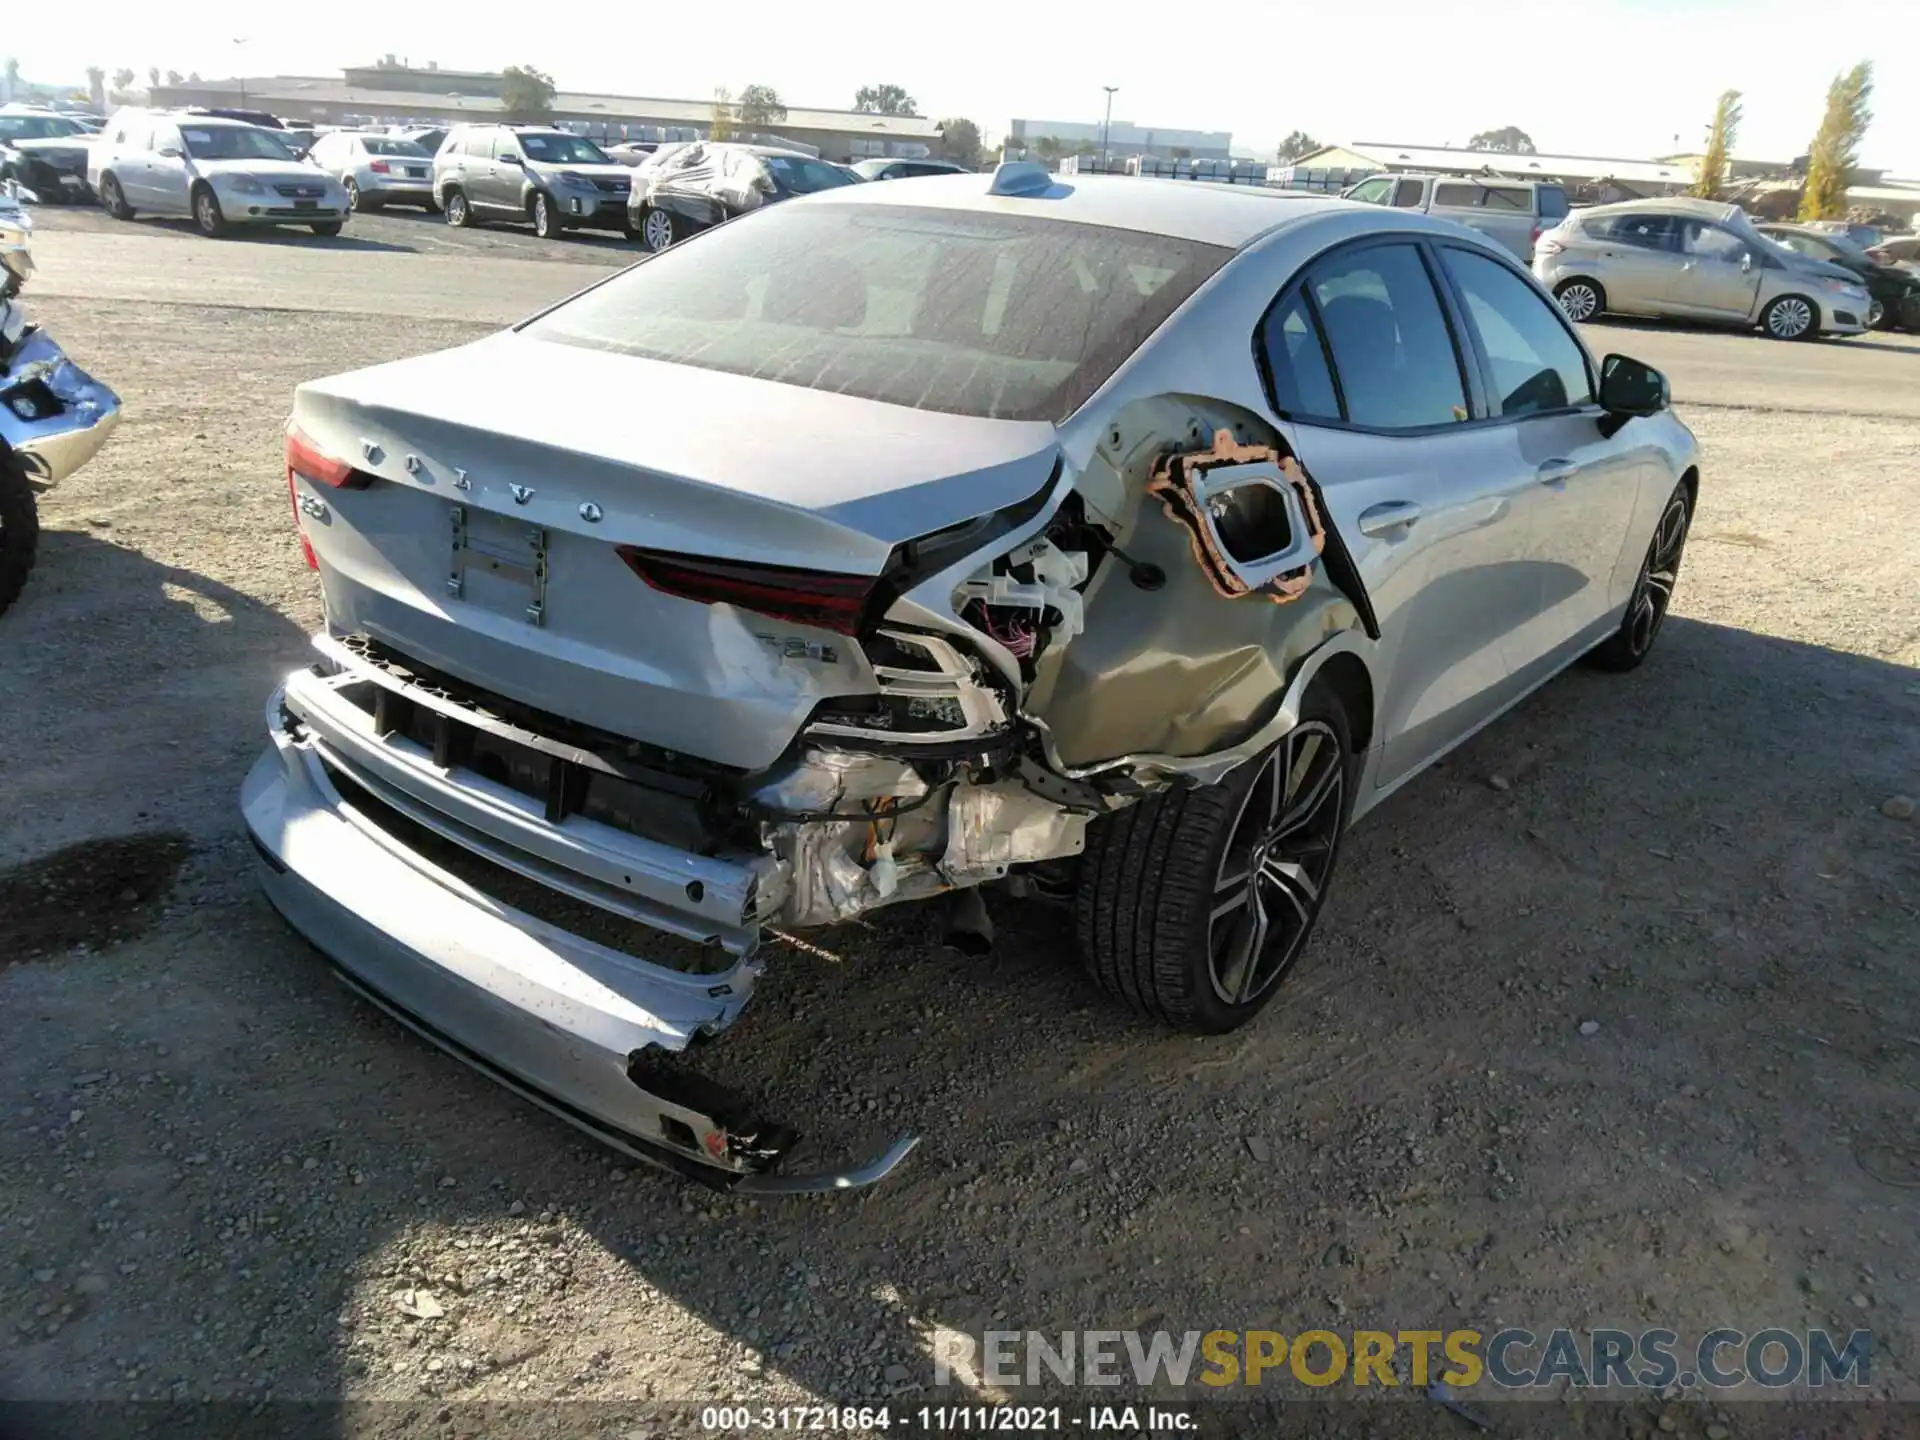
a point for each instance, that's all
(242, 40)
(1106, 124)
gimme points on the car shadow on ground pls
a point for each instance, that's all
(1069, 1149)
(178, 638)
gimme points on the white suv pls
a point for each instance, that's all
(218, 172)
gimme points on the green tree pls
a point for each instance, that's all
(884, 100)
(173, 77)
(1048, 149)
(1836, 145)
(1295, 145)
(720, 126)
(527, 93)
(1713, 165)
(123, 79)
(760, 106)
(960, 142)
(153, 76)
(1510, 139)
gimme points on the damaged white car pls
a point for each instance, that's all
(1120, 539)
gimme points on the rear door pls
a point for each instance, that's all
(1638, 253)
(1379, 394)
(1575, 488)
(1718, 275)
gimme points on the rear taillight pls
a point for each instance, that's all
(306, 461)
(822, 598)
(379, 167)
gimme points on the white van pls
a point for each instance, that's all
(1514, 212)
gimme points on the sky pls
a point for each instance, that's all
(1621, 78)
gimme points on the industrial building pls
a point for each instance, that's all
(395, 93)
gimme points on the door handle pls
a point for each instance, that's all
(1388, 516)
(1556, 472)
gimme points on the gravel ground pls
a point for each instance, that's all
(1610, 1020)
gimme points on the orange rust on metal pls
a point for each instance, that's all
(1172, 482)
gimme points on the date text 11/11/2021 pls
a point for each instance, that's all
(948, 1419)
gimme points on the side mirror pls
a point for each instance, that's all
(1630, 388)
(168, 152)
(508, 159)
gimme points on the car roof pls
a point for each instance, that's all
(1205, 211)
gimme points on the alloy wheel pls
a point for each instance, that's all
(657, 230)
(353, 194)
(1579, 302)
(1278, 858)
(1790, 318)
(456, 209)
(542, 217)
(1876, 314)
(1654, 592)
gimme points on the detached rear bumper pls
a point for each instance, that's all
(582, 1030)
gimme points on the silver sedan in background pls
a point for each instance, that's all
(376, 169)
(1124, 541)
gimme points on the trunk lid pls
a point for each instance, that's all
(506, 475)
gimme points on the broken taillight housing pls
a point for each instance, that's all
(822, 598)
(306, 461)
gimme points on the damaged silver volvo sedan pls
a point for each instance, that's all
(1124, 540)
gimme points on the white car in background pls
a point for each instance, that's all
(217, 172)
(376, 170)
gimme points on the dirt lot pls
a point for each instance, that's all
(219, 1173)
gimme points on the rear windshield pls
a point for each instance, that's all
(384, 145)
(799, 176)
(1013, 318)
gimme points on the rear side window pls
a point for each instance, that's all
(1457, 197)
(1517, 198)
(1296, 363)
(1406, 194)
(1392, 350)
(1536, 364)
(1553, 202)
(1649, 232)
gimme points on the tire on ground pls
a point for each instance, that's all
(1146, 889)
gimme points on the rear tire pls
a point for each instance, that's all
(1581, 299)
(207, 214)
(114, 199)
(354, 202)
(1193, 906)
(657, 229)
(1791, 317)
(19, 530)
(459, 213)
